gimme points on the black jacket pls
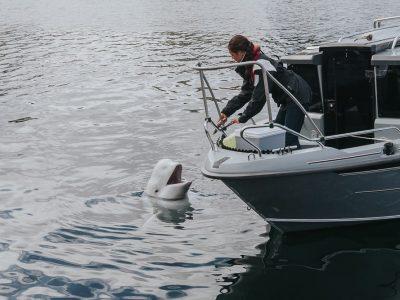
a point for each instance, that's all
(255, 95)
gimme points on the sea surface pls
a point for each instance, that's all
(93, 94)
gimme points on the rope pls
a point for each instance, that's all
(280, 151)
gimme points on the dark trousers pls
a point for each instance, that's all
(292, 117)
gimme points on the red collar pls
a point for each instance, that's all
(256, 52)
(256, 56)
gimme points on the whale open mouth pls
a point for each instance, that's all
(176, 176)
(166, 181)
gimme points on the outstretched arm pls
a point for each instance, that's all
(256, 103)
(238, 101)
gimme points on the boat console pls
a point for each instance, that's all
(342, 76)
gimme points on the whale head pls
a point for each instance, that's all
(166, 181)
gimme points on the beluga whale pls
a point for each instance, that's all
(166, 181)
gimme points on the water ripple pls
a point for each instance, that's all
(22, 283)
(109, 89)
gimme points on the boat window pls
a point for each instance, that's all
(348, 93)
(388, 80)
(310, 74)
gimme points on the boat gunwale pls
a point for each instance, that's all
(330, 169)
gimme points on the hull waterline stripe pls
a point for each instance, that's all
(332, 220)
(366, 172)
(377, 191)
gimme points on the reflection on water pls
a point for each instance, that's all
(172, 211)
(360, 262)
(92, 95)
(18, 281)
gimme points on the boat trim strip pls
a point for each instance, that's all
(343, 158)
(378, 191)
(332, 220)
(337, 170)
(366, 172)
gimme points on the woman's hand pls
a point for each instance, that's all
(222, 120)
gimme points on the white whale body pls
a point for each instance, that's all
(166, 181)
(168, 211)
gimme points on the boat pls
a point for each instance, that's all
(347, 170)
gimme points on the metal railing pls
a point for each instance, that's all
(229, 66)
(362, 32)
(377, 22)
(377, 27)
(351, 35)
(259, 151)
(265, 73)
(394, 44)
(270, 123)
(362, 132)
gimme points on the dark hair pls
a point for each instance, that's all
(241, 43)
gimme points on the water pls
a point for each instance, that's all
(99, 92)
(358, 263)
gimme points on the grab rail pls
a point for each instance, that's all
(376, 26)
(297, 103)
(396, 39)
(270, 122)
(234, 65)
(353, 34)
(265, 73)
(318, 140)
(208, 135)
(361, 32)
(377, 22)
(212, 93)
(362, 132)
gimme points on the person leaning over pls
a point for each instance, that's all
(252, 91)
